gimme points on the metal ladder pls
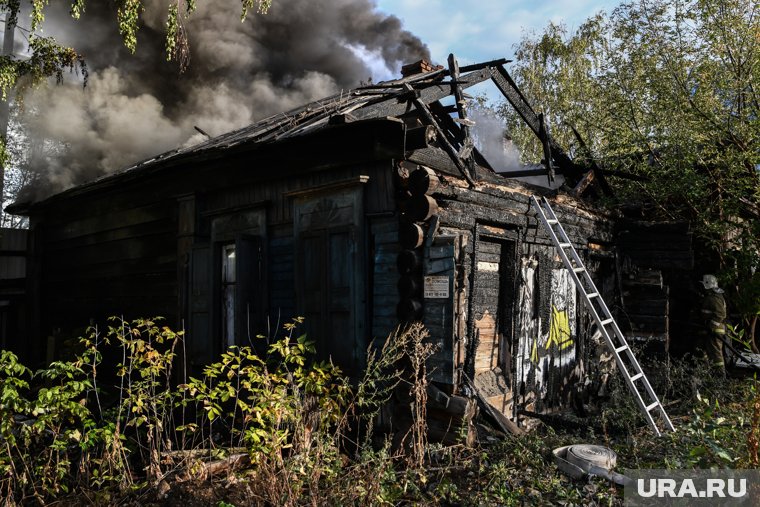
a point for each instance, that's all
(638, 383)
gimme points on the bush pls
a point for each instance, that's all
(288, 417)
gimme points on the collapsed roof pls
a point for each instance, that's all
(416, 96)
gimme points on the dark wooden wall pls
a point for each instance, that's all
(142, 243)
(310, 237)
(13, 299)
(111, 254)
(527, 340)
(384, 275)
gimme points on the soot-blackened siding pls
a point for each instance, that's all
(108, 255)
(384, 275)
(527, 341)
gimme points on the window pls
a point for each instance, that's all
(228, 293)
(240, 301)
(228, 285)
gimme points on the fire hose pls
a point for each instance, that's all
(739, 354)
(581, 459)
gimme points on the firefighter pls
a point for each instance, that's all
(713, 313)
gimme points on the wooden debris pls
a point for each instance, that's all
(500, 419)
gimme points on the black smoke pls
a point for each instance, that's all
(136, 106)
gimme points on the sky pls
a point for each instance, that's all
(485, 30)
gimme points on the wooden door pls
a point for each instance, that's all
(330, 280)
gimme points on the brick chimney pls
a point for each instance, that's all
(419, 67)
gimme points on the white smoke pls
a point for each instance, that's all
(493, 141)
(491, 138)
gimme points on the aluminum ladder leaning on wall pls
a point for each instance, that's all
(627, 363)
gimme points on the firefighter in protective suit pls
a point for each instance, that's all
(713, 313)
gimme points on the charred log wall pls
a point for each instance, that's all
(517, 329)
(658, 295)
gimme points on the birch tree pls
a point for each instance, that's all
(667, 90)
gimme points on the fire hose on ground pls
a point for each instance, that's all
(580, 460)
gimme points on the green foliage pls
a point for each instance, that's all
(665, 89)
(146, 394)
(271, 403)
(50, 59)
(288, 412)
(291, 414)
(261, 6)
(41, 435)
(709, 445)
(128, 14)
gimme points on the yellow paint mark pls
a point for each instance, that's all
(534, 351)
(559, 330)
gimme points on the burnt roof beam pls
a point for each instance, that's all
(443, 140)
(441, 114)
(465, 153)
(514, 96)
(595, 175)
(395, 104)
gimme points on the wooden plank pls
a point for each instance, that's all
(646, 307)
(439, 266)
(158, 227)
(100, 271)
(439, 252)
(503, 423)
(501, 402)
(393, 107)
(112, 220)
(386, 224)
(486, 213)
(132, 248)
(487, 352)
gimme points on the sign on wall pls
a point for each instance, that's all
(436, 287)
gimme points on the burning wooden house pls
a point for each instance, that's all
(359, 212)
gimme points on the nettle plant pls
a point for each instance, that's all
(43, 435)
(67, 430)
(270, 403)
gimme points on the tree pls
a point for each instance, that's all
(47, 58)
(668, 90)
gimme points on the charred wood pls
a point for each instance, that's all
(420, 208)
(410, 235)
(423, 181)
(420, 137)
(442, 138)
(409, 310)
(402, 172)
(409, 261)
(409, 287)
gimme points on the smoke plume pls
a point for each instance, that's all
(493, 141)
(137, 106)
